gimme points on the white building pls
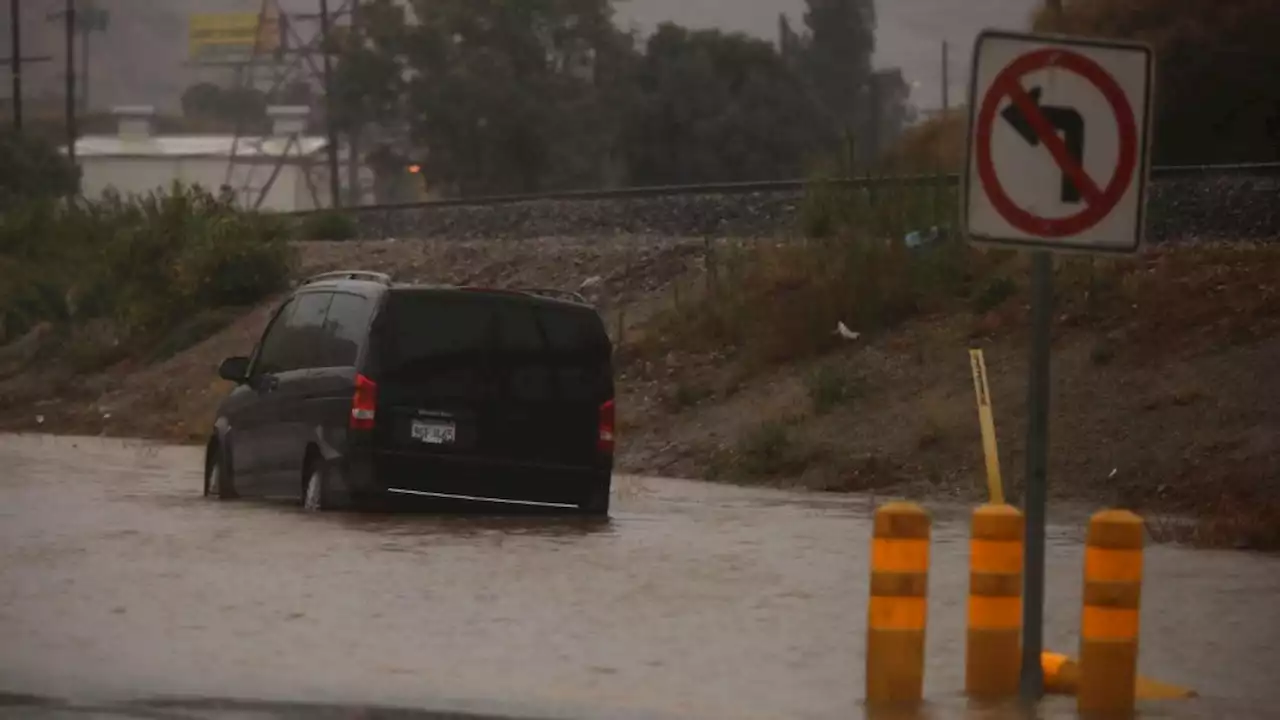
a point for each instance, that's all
(284, 171)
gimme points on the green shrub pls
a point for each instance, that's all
(144, 263)
(327, 225)
(33, 169)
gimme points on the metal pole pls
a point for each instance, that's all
(1035, 499)
(873, 131)
(1036, 493)
(69, 27)
(85, 32)
(946, 78)
(335, 186)
(354, 196)
(15, 47)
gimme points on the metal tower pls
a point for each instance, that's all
(287, 59)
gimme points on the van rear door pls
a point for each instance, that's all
(488, 381)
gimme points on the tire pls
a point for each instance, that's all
(597, 502)
(315, 491)
(219, 482)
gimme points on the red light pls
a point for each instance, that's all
(607, 425)
(364, 403)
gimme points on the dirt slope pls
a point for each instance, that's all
(1173, 409)
(175, 399)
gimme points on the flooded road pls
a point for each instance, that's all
(117, 580)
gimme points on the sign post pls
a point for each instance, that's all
(1057, 161)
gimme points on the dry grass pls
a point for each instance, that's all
(781, 302)
(937, 145)
(773, 310)
(832, 385)
(1231, 524)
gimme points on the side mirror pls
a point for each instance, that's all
(235, 369)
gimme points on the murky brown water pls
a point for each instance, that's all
(118, 580)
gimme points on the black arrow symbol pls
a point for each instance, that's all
(1063, 119)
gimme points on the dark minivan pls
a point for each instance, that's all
(361, 388)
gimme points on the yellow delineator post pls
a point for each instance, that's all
(897, 609)
(986, 421)
(1109, 624)
(993, 648)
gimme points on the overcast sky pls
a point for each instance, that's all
(141, 58)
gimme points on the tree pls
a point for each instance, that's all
(483, 87)
(207, 101)
(837, 50)
(1217, 99)
(498, 96)
(718, 107)
(201, 100)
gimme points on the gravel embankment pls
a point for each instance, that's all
(1209, 206)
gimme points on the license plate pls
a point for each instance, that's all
(434, 433)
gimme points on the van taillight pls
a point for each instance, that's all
(607, 422)
(364, 403)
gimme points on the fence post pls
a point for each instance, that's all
(1109, 623)
(898, 606)
(993, 648)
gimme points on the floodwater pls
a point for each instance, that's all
(118, 581)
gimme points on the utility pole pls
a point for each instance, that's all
(335, 186)
(946, 78)
(15, 39)
(85, 31)
(69, 28)
(354, 195)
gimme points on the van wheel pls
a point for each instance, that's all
(218, 481)
(597, 503)
(315, 494)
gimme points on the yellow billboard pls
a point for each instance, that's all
(230, 36)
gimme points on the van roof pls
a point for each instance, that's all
(543, 295)
(376, 280)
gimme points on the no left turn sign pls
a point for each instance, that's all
(1058, 147)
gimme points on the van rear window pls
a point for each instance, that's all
(438, 328)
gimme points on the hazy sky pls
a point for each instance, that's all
(141, 58)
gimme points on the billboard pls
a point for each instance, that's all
(232, 37)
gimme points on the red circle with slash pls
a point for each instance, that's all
(1099, 202)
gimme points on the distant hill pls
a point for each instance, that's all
(141, 58)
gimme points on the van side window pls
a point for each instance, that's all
(275, 343)
(344, 329)
(306, 332)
